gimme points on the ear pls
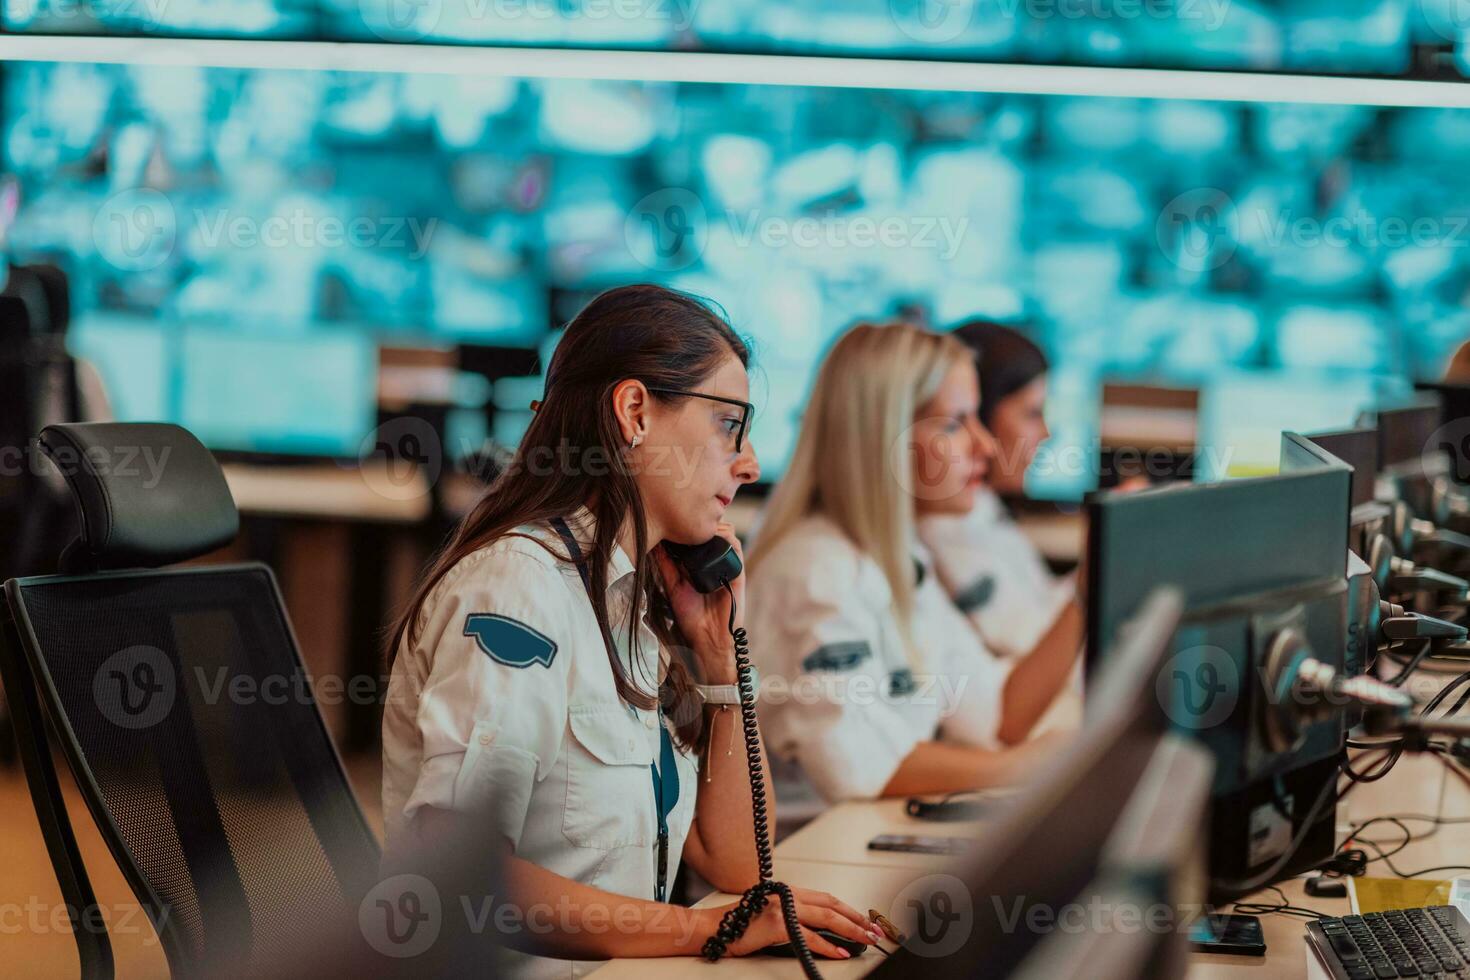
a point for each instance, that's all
(630, 407)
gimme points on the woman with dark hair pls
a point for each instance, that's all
(991, 569)
(555, 657)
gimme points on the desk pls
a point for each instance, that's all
(831, 854)
(368, 491)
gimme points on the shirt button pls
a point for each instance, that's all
(648, 722)
(484, 739)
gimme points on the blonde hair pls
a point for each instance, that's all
(852, 461)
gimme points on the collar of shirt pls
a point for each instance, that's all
(989, 508)
(620, 581)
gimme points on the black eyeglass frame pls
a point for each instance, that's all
(748, 409)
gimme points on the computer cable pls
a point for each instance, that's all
(1284, 908)
(736, 921)
(1409, 667)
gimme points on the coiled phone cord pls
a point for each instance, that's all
(753, 902)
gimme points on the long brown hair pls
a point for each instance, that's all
(659, 336)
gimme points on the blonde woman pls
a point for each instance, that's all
(873, 682)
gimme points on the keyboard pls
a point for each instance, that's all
(1427, 943)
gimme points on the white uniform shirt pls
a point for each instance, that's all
(506, 705)
(839, 695)
(996, 576)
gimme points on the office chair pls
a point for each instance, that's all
(180, 703)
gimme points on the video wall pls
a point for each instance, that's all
(261, 232)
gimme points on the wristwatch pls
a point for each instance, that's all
(728, 693)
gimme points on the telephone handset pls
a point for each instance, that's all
(709, 565)
(713, 566)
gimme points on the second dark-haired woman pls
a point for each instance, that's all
(556, 675)
(990, 568)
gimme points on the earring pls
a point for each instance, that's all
(633, 443)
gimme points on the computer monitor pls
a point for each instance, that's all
(1404, 432)
(1059, 836)
(1357, 448)
(1256, 560)
(300, 394)
(1149, 885)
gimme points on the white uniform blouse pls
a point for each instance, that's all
(996, 576)
(839, 695)
(506, 705)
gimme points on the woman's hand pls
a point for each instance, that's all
(815, 910)
(705, 619)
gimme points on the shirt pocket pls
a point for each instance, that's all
(609, 783)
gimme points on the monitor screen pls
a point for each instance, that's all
(312, 394)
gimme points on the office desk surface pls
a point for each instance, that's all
(841, 834)
(831, 854)
(371, 491)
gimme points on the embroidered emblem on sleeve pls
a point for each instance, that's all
(837, 656)
(508, 642)
(977, 595)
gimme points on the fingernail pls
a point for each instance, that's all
(843, 954)
(877, 936)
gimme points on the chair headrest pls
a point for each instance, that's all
(149, 493)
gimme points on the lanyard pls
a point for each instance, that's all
(666, 771)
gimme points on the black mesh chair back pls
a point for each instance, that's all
(187, 718)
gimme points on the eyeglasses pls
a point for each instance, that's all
(746, 409)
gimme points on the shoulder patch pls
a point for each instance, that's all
(977, 595)
(837, 656)
(509, 642)
(901, 683)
